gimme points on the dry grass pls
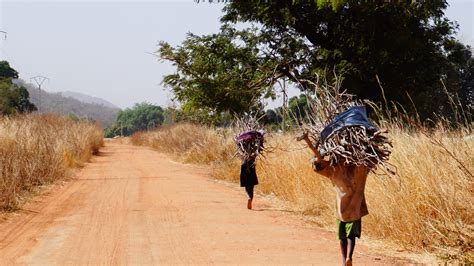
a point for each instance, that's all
(190, 143)
(428, 206)
(38, 149)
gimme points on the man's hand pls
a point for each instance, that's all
(304, 136)
(317, 163)
(322, 166)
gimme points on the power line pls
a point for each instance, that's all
(39, 80)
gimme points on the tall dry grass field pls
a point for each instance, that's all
(428, 206)
(38, 149)
(189, 143)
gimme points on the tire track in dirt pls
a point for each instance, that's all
(132, 205)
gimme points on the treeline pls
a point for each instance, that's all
(146, 116)
(400, 55)
(142, 116)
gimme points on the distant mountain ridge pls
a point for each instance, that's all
(88, 99)
(67, 105)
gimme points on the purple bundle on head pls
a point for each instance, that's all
(253, 134)
(249, 144)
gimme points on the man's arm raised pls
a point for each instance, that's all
(320, 165)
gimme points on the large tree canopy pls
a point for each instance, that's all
(407, 44)
(405, 47)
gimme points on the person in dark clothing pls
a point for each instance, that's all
(248, 179)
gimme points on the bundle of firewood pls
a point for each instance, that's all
(337, 129)
(357, 145)
(249, 145)
(250, 139)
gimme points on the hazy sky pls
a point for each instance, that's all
(103, 48)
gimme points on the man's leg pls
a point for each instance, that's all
(355, 231)
(341, 235)
(249, 190)
(352, 243)
(343, 243)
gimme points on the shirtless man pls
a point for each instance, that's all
(349, 182)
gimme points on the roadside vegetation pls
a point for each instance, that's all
(142, 116)
(39, 149)
(401, 56)
(426, 206)
(36, 149)
(13, 98)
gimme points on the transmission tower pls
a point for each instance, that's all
(39, 80)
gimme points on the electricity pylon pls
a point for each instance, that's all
(39, 80)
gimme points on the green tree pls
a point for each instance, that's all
(7, 72)
(297, 107)
(404, 43)
(220, 73)
(272, 117)
(460, 78)
(13, 98)
(294, 113)
(142, 116)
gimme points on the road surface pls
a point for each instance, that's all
(133, 205)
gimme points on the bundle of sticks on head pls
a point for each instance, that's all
(250, 139)
(337, 129)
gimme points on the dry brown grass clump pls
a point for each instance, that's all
(428, 206)
(189, 142)
(38, 149)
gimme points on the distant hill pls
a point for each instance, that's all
(88, 99)
(60, 104)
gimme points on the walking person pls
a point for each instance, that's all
(349, 182)
(249, 145)
(345, 151)
(248, 179)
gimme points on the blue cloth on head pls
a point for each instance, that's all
(354, 116)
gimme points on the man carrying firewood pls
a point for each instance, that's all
(345, 151)
(349, 182)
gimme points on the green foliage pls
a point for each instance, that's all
(294, 113)
(405, 43)
(219, 73)
(6, 72)
(13, 98)
(297, 107)
(460, 77)
(394, 53)
(142, 116)
(272, 117)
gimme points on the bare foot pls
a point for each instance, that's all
(348, 262)
(249, 204)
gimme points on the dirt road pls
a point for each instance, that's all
(132, 205)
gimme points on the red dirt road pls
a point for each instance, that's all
(132, 205)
